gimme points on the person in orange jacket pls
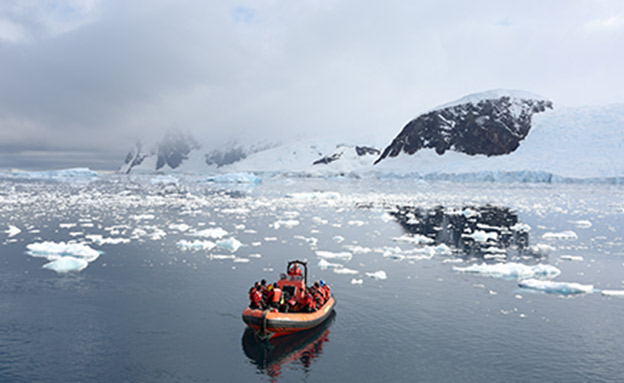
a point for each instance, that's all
(255, 297)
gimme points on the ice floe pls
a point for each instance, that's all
(63, 257)
(12, 231)
(101, 240)
(613, 293)
(541, 249)
(417, 239)
(181, 227)
(576, 258)
(288, 224)
(196, 245)
(345, 270)
(582, 224)
(357, 281)
(232, 244)
(380, 274)
(343, 256)
(564, 288)
(510, 270)
(482, 236)
(213, 232)
(564, 235)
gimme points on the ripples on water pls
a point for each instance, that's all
(152, 310)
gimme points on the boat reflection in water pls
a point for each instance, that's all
(270, 356)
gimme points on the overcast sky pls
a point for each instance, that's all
(80, 81)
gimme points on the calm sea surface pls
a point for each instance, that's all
(163, 301)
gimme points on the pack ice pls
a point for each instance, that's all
(510, 270)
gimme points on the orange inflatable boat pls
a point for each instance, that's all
(272, 323)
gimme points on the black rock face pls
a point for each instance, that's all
(456, 228)
(359, 150)
(135, 156)
(491, 127)
(225, 157)
(175, 148)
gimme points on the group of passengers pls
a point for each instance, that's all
(271, 297)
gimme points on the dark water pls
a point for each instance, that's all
(149, 311)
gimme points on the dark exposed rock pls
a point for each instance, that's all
(490, 126)
(174, 148)
(225, 157)
(340, 151)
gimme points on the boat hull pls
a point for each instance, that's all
(268, 324)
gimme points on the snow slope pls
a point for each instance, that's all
(580, 142)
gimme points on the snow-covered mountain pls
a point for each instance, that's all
(526, 136)
(179, 151)
(495, 135)
(491, 123)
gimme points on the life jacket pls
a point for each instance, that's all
(255, 297)
(276, 297)
(318, 297)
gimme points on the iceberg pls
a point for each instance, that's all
(235, 178)
(232, 244)
(63, 257)
(613, 293)
(73, 174)
(378, 275)
(12, 231)
(564, 288)
(510, 270)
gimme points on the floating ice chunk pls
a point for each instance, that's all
(232, 244)
(12, 231)
(221, 256)
(140, 217)
(521, 227)
(164, 179)
(319, 221)
(181, 227)
(359, 249)
(241, 260)
(417, 239)
(270, 239)
(67, 225)
(255, 255)
(314, 195)
(442, 249)
(582, 224)
(564, 288)
(577, 258)
(235, 178)
(310, 240)
(237, 210)
(469, 213)
(613, 293)
(63, 257)
(482, 236)
(497, 256)
(510, 270)
(195, 245)
(378, 275)
(100, 240)
(55, 250)
(564, 235)
(66, 264)
(289, 224)
(385, 217)
(343, 256)
(453, 260)
(338, 238)
(356, 222)
(541, 249)
(345, 271)
(213, 232)
(357, 281)
(323, 264)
